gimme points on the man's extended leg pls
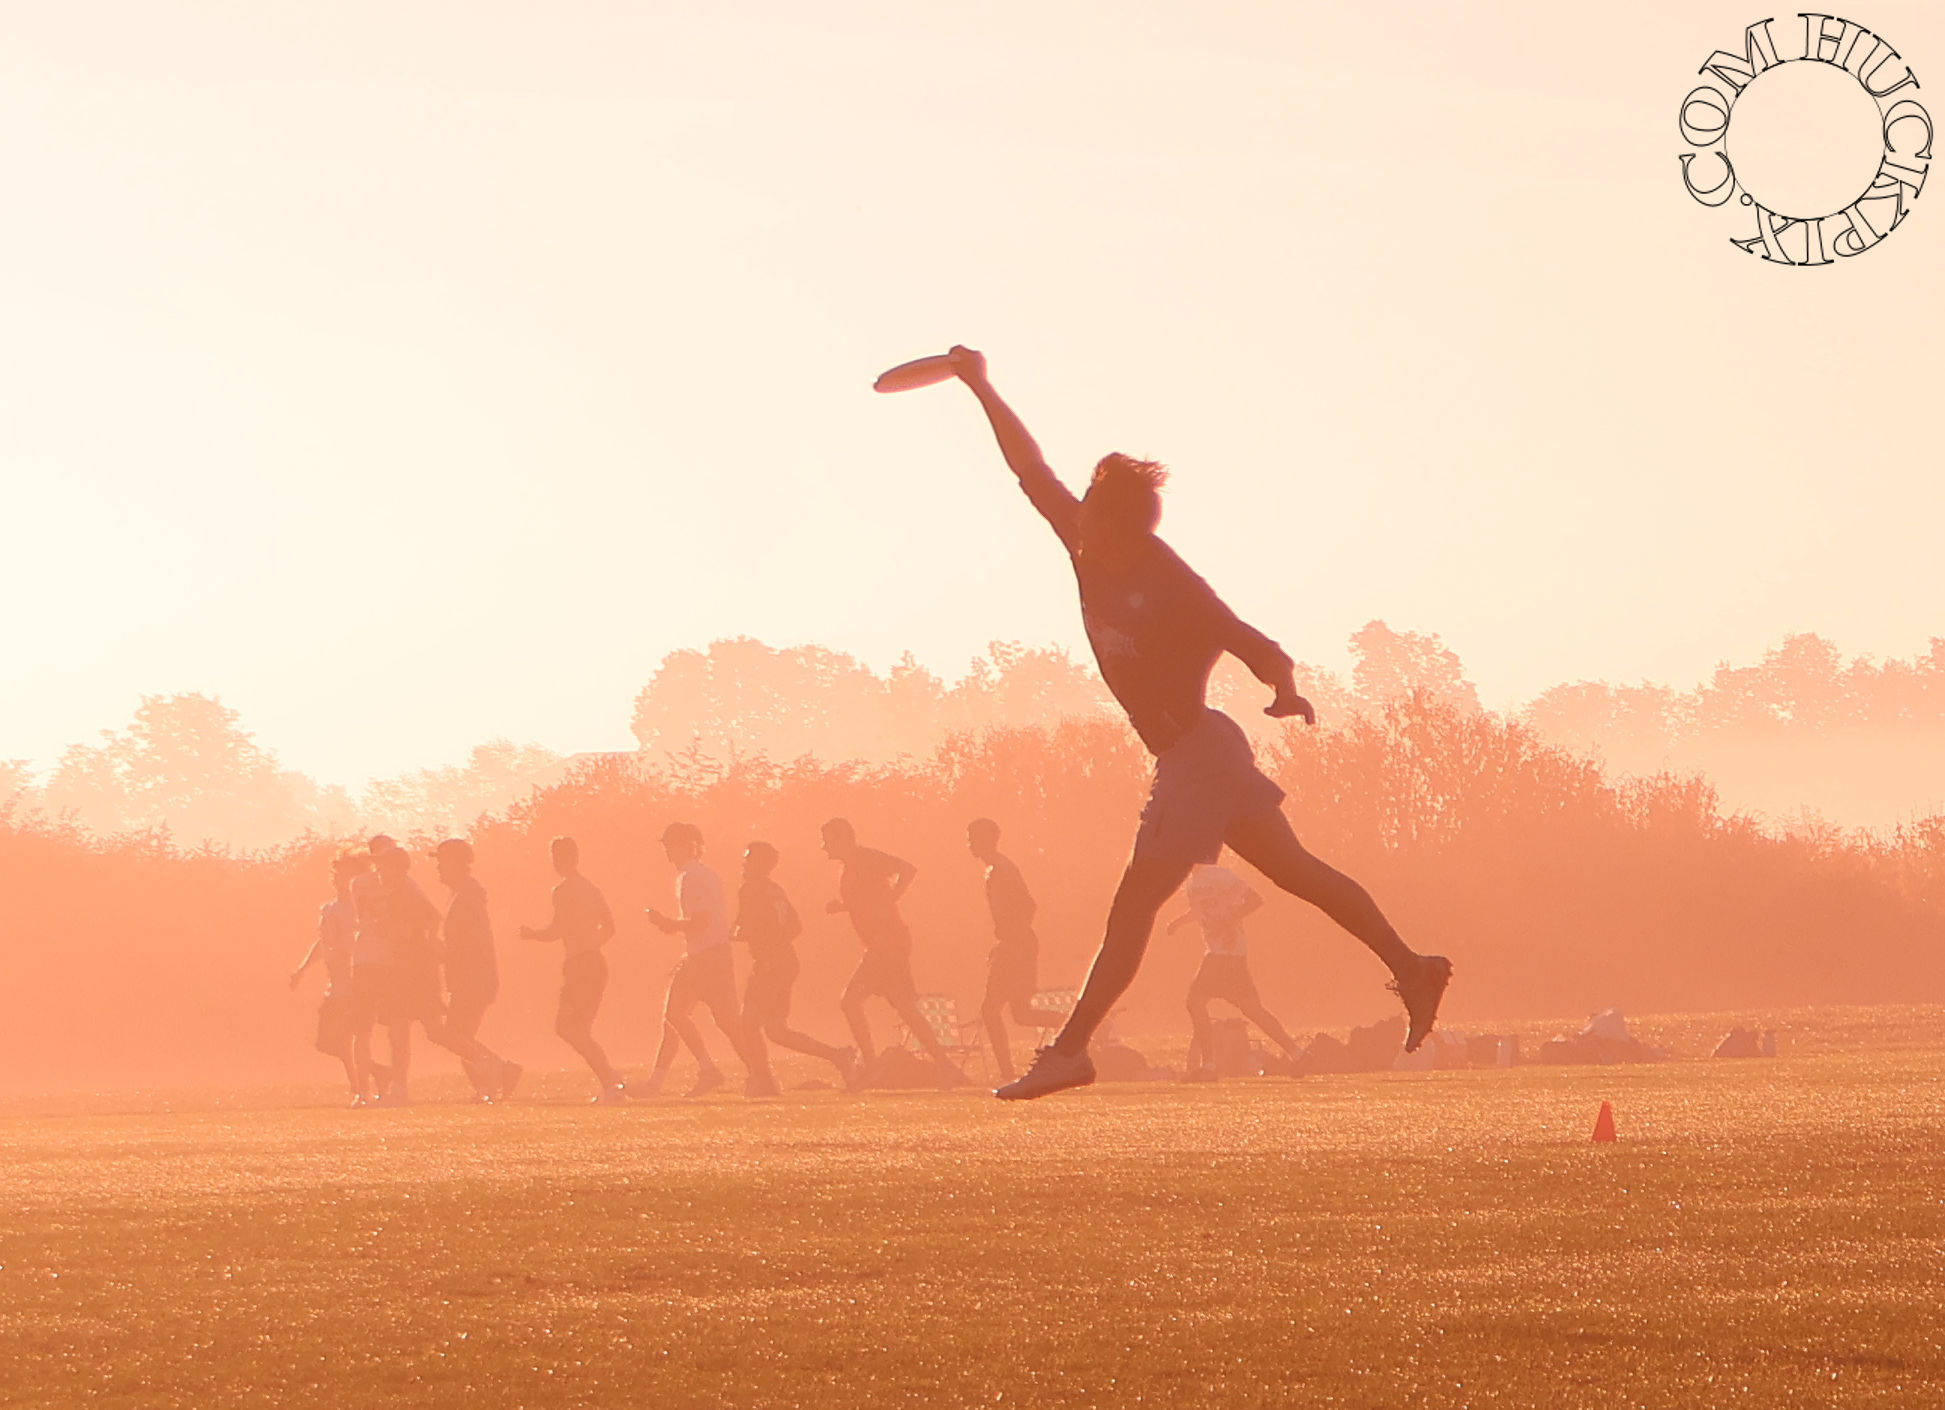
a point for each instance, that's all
(1267, 1021)
(1202, 1051)
(1267, 842)
(1149, 881)
(853, 1005)
(1145, 887)
(578, 1033)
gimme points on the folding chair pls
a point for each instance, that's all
(959, 1037)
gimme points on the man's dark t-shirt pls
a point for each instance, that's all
(1009, 900)
(865, 889)
(763, 918)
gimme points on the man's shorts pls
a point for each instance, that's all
(1013, 972)
(766, 997)
(584, 978)
(707, 977)
(335, 1024)
(373, 995)
(1224, 977)
(1205, 782)
(884, 973)
(417, 996)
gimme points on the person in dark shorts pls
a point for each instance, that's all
(582, 923)
(705, 975)
(409, 924)
(1012, 968)
(1218, 901)
(868, 890)
(768, 924)
(472, 968)
(337, 931)
(1157, 631)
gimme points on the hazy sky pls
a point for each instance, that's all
(413, 373)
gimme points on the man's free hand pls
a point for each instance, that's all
(661, 922)
(1288, 703)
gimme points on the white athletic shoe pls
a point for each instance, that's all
(394, 1096)
(1051, 1072)
(616, 1095)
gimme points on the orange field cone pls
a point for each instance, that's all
(1604, 1123)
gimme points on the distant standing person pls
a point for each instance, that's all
(1157, 631)
(868, 891)
(582, 923)
(409, 923)
(705, 974)
(768, 924)
(337, 932)
(1012, 969)
(472, 968)
(1218, 901)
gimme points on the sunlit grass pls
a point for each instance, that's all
(1764, 1233)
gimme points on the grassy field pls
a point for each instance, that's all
(1764, 1233)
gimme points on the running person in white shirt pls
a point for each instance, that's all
(1218, 901)
(705, 974)
(1157, 631)
(337, 930)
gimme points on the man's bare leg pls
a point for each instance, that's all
(580, 1037)
(1145, 887)
(853, 1006)
(1267, 842)
(992, 1017)
(1267, 1022)
(1202, 1051)
(400, 1043)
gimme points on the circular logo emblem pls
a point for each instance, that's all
(1826, 148)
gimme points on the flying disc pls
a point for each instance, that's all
(920, 372)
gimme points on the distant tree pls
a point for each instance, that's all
(1392, 665)
(449, 801)
(185, 765)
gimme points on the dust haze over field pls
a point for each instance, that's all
(452, 420)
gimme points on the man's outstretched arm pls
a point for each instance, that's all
(1054, 500)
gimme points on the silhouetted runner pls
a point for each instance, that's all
(1012, 968)
(582, 923)
(705, 974)
(1157, 631)
(472, 968)
(374, 985)
(337, 931)
(1218, 901)
(868, 890)
(768, 924)
(408, 923)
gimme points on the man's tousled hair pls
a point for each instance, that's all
(1130, 489)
